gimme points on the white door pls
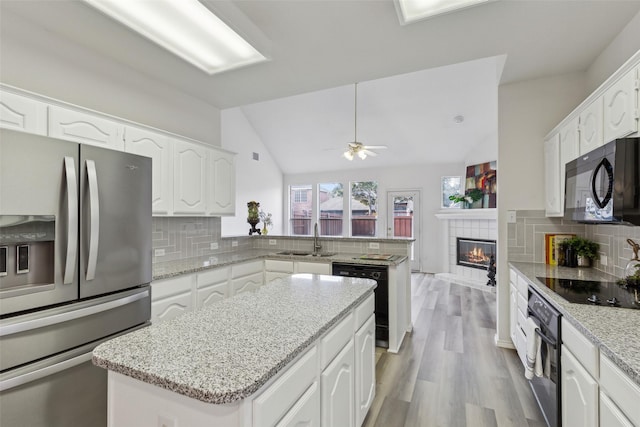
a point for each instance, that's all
(403, 220)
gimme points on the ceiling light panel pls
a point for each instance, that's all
(415, 10)
(186, 28)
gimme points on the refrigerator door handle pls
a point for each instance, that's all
(94, 219)
(44, 372)
(72, 220)
(70, 315)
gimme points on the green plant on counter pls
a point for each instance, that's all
(584, 247)
(633, 280)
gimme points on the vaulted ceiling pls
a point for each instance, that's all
(415, 77)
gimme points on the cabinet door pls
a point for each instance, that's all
(621, 108)
(246, 283)
(591, 127)
(513, 312)
(189, 173)
(169, 307)
(85, 128)
(210, 294)
(579, 393)
(610, 415)
(365, 343)
(553, 206)
(23, 114)
(222, 183)
(158, 147)
(337, 390)
(306, 411)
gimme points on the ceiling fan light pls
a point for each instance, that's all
(362, 155)
(348, 155)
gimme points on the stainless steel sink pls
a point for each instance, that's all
(301, 253)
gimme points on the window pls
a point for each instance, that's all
(300, 209)
(331, 206)
(450, 185)
(364, 208)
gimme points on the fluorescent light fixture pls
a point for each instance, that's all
(186, 28)
(415, 10)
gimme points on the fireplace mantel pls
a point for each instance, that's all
(467, 214)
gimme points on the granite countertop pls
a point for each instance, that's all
(225, 352)
(613, 330)
(165, 270)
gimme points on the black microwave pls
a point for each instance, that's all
(603, 186)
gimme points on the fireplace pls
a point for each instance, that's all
(474, 253)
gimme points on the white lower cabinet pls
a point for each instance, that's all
(624, 393)
(246, 277)
(313, 267)
(610, 415)
(306, 411)
(212, 286)
(171, 297)
(579, 393)
(337, 390)
(365, 364)
(274, 269)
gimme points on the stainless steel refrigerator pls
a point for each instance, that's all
(75, 269)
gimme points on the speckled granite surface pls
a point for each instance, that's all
(169, 269)
(616, 331)
(227, 351)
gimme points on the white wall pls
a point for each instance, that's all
(255, 180)
(527, 112)
(426, 178)
(39, 61)
(626, 43)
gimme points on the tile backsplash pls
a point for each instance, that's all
(191, 237)
(525, 239)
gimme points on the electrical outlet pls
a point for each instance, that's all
(511, 217)
(273, 242)
(159, 252)
(603, 260)
(234, 243)
(374, 245)
(213, 245)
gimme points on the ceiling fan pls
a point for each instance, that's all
(356, 148)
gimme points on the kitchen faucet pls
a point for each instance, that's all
(316, 244)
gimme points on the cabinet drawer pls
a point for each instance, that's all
(246, 284)
(335, 340)
(306, 411)
(274, 403)
(170, 307)
(246, 268)
(513, 276)
(364, 311)
(620, 389)
(522, 320)
(270, 275)
(173, 286)
(584, 350)
(522, 303)
(278, 266)
(208, 278)
(210, 294)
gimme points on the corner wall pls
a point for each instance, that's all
(527, 111)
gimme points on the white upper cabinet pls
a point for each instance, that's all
(158, 147)
(553, 199)
(621, 107)
(591, 127)
(85, 128)
(21, 113)
(189, 183)
(222, 178)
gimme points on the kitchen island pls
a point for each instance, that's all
(258, 358)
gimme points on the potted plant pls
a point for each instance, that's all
(467, 199)
(584, 249)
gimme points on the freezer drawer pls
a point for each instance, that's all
(29, 337)
(60, 391)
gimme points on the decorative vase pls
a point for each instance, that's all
(253, 216)
(264, 230)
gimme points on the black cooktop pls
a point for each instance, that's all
(593, 292)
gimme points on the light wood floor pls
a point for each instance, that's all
(449, 372)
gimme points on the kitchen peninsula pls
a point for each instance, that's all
(297, 349)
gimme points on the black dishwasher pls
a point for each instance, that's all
(380, 274)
